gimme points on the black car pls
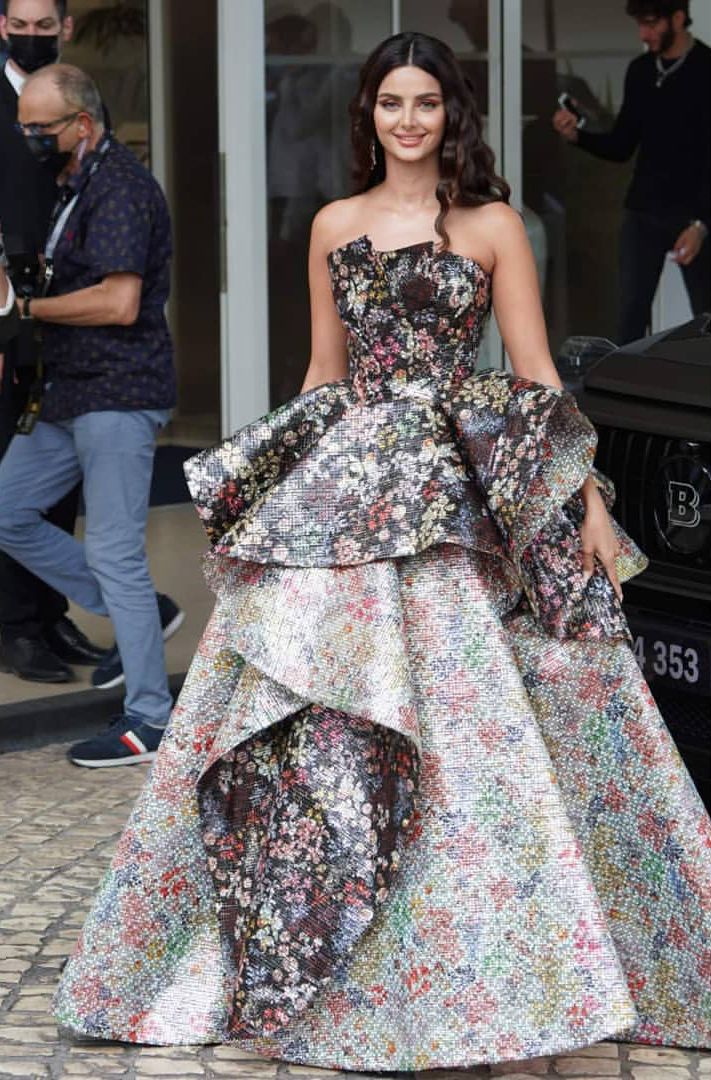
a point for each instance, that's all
(651, 404)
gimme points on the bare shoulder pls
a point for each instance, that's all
(485, 232)
(494, 219)
(336, 223)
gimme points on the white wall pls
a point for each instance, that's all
(700, 12)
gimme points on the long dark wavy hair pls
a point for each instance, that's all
(466, 164)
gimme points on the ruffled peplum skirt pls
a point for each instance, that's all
(415, 806)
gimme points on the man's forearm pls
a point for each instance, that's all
(620, 142)
(611, 145)
(85, 307)
(97, 305)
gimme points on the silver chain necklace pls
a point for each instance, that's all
(664, 72)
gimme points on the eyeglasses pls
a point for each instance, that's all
(41, 129)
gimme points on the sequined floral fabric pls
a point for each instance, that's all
(415, 807)
(417, 450)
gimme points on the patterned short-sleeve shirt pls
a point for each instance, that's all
(120, 224)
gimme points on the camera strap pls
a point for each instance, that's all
(63, 208)
(66, 201)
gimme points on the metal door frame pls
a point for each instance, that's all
(244, 342)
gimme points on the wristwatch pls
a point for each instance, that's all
(25, 312)
(701, 225)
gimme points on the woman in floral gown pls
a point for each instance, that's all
(416, 806)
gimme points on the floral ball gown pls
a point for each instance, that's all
(415, 806)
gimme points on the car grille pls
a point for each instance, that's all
(647, 470)
(688, 721)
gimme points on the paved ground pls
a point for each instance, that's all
(58, 827)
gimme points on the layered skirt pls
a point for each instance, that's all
(415, 806)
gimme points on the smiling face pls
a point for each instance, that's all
(409, 114)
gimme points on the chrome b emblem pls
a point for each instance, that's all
(681, 495)
(683, 502)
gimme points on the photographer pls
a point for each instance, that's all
(666, 118)
(37, 640)
(108, 387)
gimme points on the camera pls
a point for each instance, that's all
(23, 270)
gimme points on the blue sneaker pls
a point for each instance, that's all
(109, 673)
(127, 742)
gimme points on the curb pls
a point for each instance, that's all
(63, 717)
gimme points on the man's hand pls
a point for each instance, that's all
(565, 123)
(688, 245)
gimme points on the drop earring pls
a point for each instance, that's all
(373, 156)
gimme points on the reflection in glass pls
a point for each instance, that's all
(110, 43)
(571, 202)
(464, 26)
(584, 51)
(313, 56)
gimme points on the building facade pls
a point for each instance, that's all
(240, 107)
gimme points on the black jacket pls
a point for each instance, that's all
(28, 192)
(9, 325)
(670, 128)
(27, 189)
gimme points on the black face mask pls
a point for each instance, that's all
(33, 51)
(45, 150)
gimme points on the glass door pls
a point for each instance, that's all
(285, 151)
(572, 200)
(184, 160)
(472, 29)
(313, 53)
(286, 71)
(575, 198)
(111, 46)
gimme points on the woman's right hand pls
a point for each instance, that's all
(598, 536)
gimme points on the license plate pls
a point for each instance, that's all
(675, 659)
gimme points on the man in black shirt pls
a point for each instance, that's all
(37, 640)
(666, 118)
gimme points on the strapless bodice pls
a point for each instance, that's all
(411, 314)
(416, 449)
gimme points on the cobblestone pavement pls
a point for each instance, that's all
(58, 827)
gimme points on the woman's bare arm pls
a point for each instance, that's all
(516, 296)
(329, 355)
(519, 313)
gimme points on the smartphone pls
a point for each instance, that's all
(566, 102)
